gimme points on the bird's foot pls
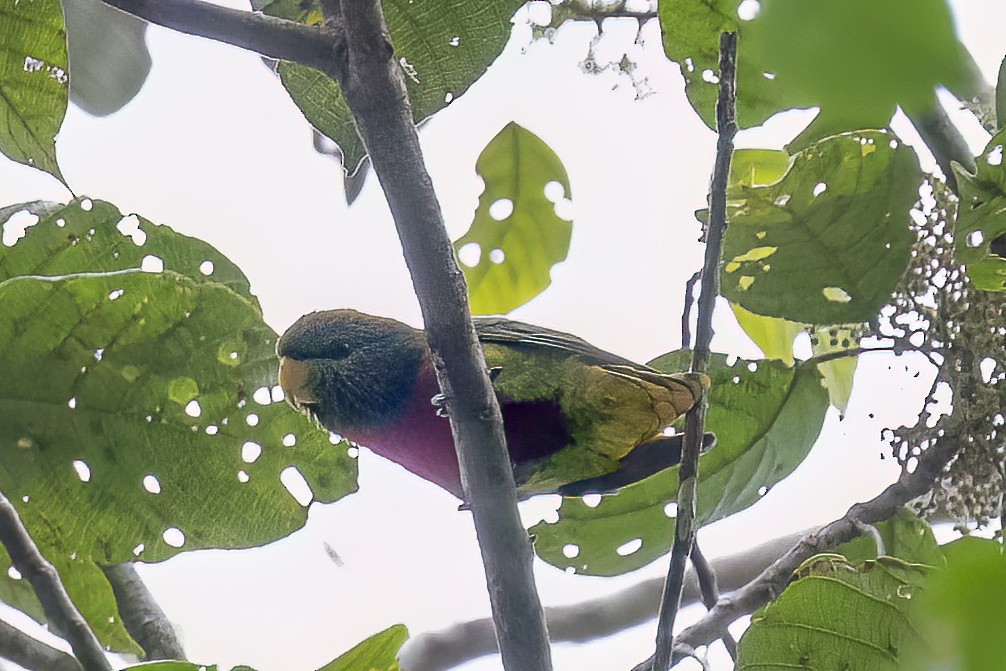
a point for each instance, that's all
(439, 401)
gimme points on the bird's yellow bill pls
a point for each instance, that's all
(295, 378)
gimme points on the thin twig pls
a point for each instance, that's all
(686, 311)
(266, 35)
(944, 139)
(710, 589)
(770, 583)
(374, 87)
(32, 654)
(44, 579)
(684, 532)
(141, 615)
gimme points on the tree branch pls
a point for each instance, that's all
(944, 139)
(374, 88)
(710, 589)
(44, 579)
(266, 35)
(141, 615)
(31, 653)
(588, 620)
(684, 531)
(770, 583)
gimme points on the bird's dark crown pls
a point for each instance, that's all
(335, 334)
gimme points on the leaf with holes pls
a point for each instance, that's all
(33, 82)
(828, 242)
(980, 232)
(138, 420)
(837, 615)
(855, 60)
(93, 236)
(517, 235)
(442, 48)
(766, 416)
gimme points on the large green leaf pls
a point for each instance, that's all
(517, 235)
(33, 82)
(836, 615)
(93, 236)
(856, 60)
(963, 609)
(980, 231)
(442, 47)
(766, 416)
(828, 242)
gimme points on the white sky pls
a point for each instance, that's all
(213, 147)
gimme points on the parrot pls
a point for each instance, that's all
(577, 419)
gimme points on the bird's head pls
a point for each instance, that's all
(349, 370)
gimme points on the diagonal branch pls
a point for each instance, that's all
(44, 579)
(770, 583)
(374, 87)
(684, 532)
(29, 652)
(266, 35)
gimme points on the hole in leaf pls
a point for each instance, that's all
(72, 403)
(570, 550)
(151, 483)
(671, 509)
(295, 483)
(448, 97)
(763, 490)
(995, 157)
(454, 41)
(497, 256)
(17, 226)
(710, 77)
(174, 537)
(83, 470)
(819, 188)
(592, 500)
(277, 394)
(748, 9)
(250, 451)
(289, 440)
(211, 429)
(626, 549)
(130, 227)
(152, 264)
(13, 573)
(353, 452)
(501, 209)
(564, 209)
(138, 550)
(252, 419)
(86, 205)
(116, 294)
(469, 254)
(206, 267)
(193, 409)
(262, 396)
(554, 191)
(242, 477)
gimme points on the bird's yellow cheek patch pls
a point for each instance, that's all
(294, 378)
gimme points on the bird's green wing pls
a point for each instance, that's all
(610, 404)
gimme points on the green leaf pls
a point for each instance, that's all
(517, 251)
(766, 416)
(835, 615)
(855, 60)
(980, 231)
(828, 242)
(442, 47)
(107, 449)
(905, 537)
(33, 82)
(93, 236)
(377, 653)
(1001, 96)
(757, 167)
(963, 608)
(837, 374)
(773, 336)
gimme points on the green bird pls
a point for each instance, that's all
(577, 419)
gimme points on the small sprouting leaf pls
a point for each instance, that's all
(980, 231)
(33, 82)
(766, 416)
(905, 537)
(442, 47)
(773, 336)
(518, 233)
(377, 653)
(828, 242)
(838, 615)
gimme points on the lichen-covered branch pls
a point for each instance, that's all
(141, 615)
(31, 653)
